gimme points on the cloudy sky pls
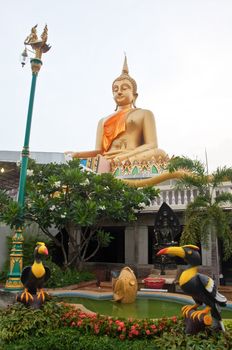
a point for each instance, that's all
(179, 52)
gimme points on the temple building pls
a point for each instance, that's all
(127, 146)
(134, 244)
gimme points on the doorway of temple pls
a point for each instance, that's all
(115, 252)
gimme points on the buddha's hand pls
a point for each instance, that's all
(120, 156)
(112, 154)
(69, 155)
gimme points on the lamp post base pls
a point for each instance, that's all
(13, 282)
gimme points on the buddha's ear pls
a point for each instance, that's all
(134, 100)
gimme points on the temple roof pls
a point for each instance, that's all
(10, 171)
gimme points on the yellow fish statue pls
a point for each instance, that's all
(125, 286)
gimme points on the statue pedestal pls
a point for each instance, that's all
(138, 169)
(136, 173)
(97, 164)
(126, 169)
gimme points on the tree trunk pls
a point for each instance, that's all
(73, 245)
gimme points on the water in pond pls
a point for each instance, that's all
(142, 308)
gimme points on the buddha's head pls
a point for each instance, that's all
(124, 88)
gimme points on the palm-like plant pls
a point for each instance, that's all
(208, 217)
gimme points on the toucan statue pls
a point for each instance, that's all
(33, 278)
(201, 288)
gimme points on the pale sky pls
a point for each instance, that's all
(179, 52)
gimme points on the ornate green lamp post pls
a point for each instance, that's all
(39, 46)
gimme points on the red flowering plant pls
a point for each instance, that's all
(121, 328)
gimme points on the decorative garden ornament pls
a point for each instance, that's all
(125, 286)
(33, 278)
(201, 288)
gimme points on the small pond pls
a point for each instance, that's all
(142, 308)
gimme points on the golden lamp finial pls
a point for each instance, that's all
(39, 46)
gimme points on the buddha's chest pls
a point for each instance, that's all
(134, 121)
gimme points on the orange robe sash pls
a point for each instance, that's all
(113, 126)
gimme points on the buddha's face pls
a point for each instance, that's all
(123, 92)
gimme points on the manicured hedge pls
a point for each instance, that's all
(57, 327)
(72, 339)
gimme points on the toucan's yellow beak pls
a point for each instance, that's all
(176, 251)
(43, 250)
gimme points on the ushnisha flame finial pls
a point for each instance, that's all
(125, 75)
(125, 69)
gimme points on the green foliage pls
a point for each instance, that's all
(18, 321)
(205, 214)
(29, 245)
(4, 199)
(28, 250)
(208, 340)
(36, 332)
(9, 210)
(64, 193)
(103, 237)
(70, 339)
(194, 166)
(123, 329)
(64, 196)
(220, 175)
(224, 198)
(61, 278)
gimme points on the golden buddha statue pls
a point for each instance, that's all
(129, 134)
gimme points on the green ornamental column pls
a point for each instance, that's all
(39, 46)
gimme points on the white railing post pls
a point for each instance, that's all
(179, 199)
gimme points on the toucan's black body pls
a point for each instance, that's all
(199, 286)
(33, 278)
(33, 283)
(197, 289)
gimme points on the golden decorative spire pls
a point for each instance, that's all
(125, 75)
(44, 35)
(125, 69)
(32, 37)
(39, 46)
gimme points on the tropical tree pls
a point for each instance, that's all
(68, 198)
(207, 217)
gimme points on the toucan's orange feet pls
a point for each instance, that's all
(200, 313)
(26, 296)
(187, 308)
(208, 320)
(41, 295)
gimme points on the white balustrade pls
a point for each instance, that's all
(179, 199)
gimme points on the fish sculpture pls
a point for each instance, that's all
(125, 286)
